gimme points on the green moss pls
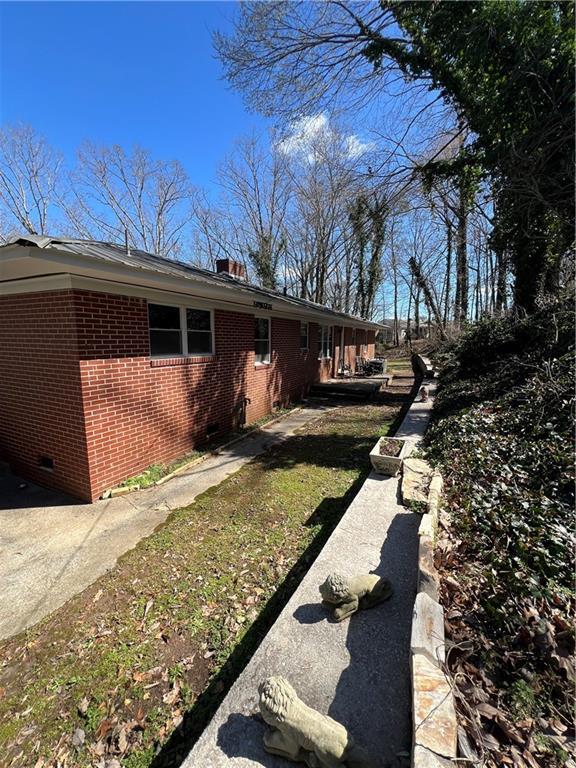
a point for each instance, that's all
(205, 586)
(522, 699)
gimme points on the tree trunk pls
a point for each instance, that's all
(461, 302)
(347, 279)
(448, 271)
(395, 278)
(408, 336)
(500, 282)
(429, 299)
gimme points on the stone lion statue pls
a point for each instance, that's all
(351, 594)
(301, 734)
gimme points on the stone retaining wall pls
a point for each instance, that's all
(434, 718)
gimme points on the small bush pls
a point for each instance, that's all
(495, 355)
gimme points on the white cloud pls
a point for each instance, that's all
(304, 134)
(357, 147)
(309, 135)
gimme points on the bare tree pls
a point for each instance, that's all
(256, 189)
(215, 234)
(284, 210)
(368, 219)
(429, 298)
(325, 166)
(30, 174)
(291, 57)
(112, 191)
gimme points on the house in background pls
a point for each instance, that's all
(387, 335)
(112, 360)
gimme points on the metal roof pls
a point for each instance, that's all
(138, 259)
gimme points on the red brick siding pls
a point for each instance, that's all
(41, 410)
(141, 411)
(78, 385)
(352, 351)
(370, 343)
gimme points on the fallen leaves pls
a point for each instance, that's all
(103, 729)
(78, 737)
(173, 695)
(127, 661)
(505, 438)
(147, 608)
(538, 653)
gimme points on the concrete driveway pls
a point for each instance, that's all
(52, 547)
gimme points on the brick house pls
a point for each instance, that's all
(111, 361)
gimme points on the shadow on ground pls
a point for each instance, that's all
(310, 449)
(181, 742)
(382, 635)
(17, 493)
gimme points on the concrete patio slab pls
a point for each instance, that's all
(52, 547)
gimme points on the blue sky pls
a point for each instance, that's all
(128, 73)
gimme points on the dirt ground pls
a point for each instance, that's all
(110, 674)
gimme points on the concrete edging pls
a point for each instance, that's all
(376, 534)
(435, 732)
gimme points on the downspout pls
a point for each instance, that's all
(342, 360)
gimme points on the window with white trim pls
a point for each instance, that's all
(177, 331)
(261, 340)
(325, 339)
(304, 336)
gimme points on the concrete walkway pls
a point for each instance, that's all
(356, 671)
(415, 423)
(52, 547)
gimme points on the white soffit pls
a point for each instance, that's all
(30, 270)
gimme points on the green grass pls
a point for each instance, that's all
(153, 645)
(397, 364)
(155, 472)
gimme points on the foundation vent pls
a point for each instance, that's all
(47, 463)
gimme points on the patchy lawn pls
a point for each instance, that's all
(131, 669)
(156, 472)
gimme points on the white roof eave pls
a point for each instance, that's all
(234, 293)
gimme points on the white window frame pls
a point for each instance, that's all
(183, 331)
(326, 339)
(307, 347)
(269, 321)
